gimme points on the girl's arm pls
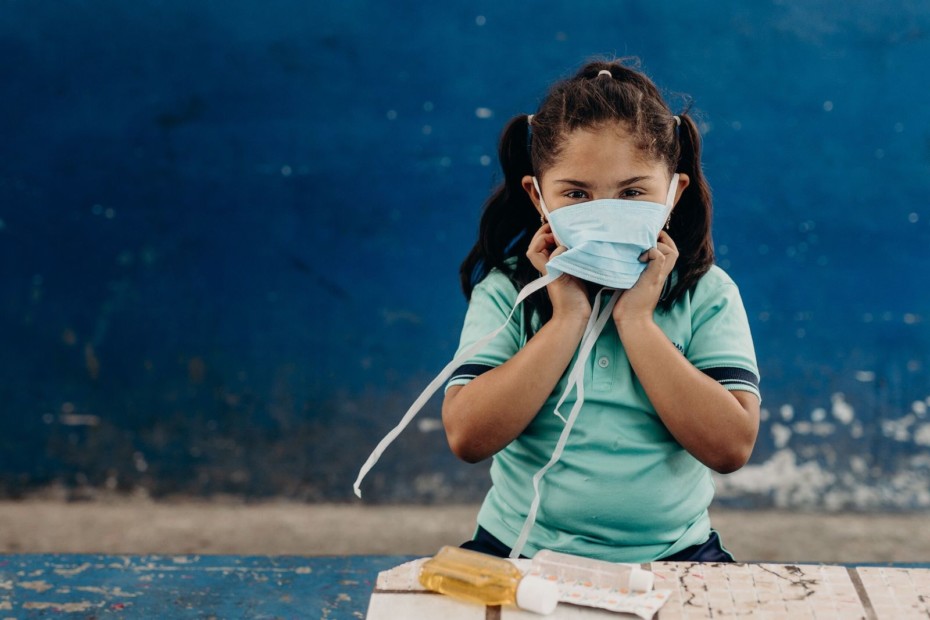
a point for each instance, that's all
(716, 426)
(485, 415)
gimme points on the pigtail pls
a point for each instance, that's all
(691, 219)
(509, 218)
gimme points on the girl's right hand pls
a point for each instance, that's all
(568, 294)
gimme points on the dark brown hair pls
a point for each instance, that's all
(588, 100)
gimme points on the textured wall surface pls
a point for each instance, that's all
(230, 231)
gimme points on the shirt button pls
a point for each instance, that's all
(603, 362)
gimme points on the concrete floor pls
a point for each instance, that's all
(140, 526)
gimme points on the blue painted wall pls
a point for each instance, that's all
(230, 231)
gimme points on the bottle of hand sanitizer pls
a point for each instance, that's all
(484, 579)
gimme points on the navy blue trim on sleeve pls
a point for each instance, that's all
(730, 376)
(470, 371)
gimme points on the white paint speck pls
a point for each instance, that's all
(827, 106)
(429, 425)
(919, 408)
(913, 218)
(109, 213)
(139, 461)
(922, 435)
(842, 410)
(781, 434)
(286, 171)
(484, 112)
(910, 319)
(764, 414)
(819, 414)
(481, 20)
(485, 160)
(865, 376)
(787, 412)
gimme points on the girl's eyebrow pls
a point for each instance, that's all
(585, 185)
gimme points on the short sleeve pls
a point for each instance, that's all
(721, 344)
(491, 302)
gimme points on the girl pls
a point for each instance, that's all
(670, 392)
(626, 328)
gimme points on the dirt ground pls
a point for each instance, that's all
(141, 526)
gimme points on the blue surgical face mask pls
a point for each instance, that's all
(605, 238)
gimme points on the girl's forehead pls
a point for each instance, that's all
(604, 149)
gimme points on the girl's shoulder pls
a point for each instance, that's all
(715, 278)
(498, 281)
(497, 284)
(714, 285)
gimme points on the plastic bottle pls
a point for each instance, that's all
(593, 573)
(480, 578)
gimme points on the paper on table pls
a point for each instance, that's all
(643, 604)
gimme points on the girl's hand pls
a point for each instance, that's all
(568, 294)
(639, 303)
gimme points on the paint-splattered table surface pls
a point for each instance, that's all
(95, 586)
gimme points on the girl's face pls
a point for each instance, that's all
(602, 162)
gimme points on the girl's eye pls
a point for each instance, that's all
(576, 194)
(631, 193)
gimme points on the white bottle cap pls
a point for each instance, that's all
(641, 580)
(537, 595)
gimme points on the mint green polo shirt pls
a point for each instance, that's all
(624, 489)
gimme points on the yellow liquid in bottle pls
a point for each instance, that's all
(471, 576)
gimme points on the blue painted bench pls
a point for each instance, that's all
(92, 586)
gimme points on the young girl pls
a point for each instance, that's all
(637, 336)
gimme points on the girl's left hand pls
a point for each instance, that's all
(639, 303)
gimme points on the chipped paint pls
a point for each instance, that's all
(65, 607)
(71, 572)
(217, 586)
(37, 586)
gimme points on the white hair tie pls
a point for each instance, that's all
(604, 72)
(677, 121)
(529, 119)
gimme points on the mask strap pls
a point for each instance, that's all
(670, 197)
(576, 378)
(443, 376)
(542, 204)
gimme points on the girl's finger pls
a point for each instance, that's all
(557, 251)
(666, 239)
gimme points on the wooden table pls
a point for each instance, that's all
(95, 586)
(699, 591)
(164, 587)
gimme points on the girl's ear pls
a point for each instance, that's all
(683, 182)
(530, 188)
